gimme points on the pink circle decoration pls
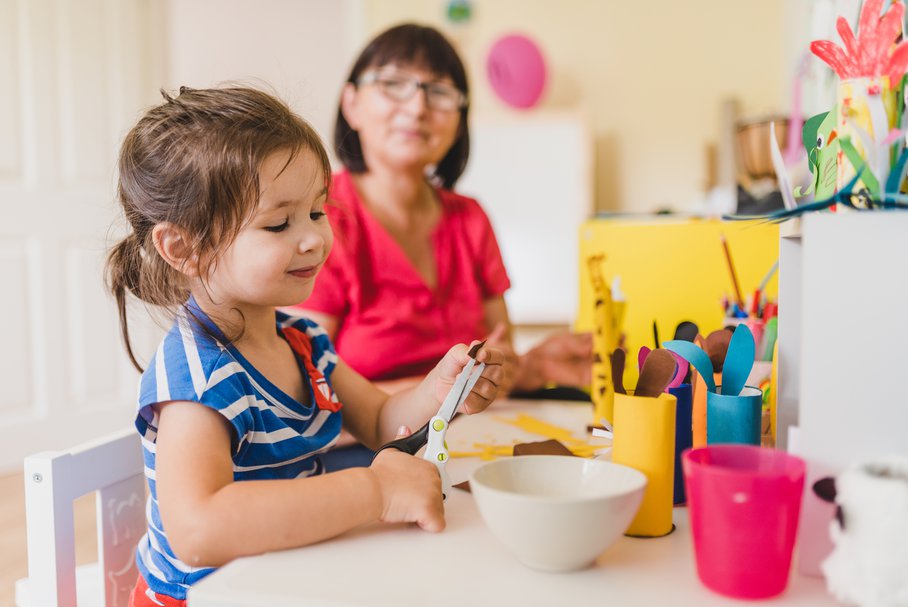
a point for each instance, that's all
(516, 70)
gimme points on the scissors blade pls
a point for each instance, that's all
(465, 381)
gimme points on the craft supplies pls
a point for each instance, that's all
(644, 439)
(684, 436)
(432, 434)
(731, 270)
(734, 418)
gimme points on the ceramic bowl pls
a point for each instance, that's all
(557, 513)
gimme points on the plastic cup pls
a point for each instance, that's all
(684, 437)
(734, 418)
(744, 503)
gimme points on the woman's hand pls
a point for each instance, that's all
(564, 359)
(500, 340)
(410, 488)
(488, 386)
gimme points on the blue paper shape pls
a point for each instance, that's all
(695, 355)
(738, 361)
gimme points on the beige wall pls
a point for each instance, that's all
(650, 75)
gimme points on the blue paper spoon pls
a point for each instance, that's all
(695, 355)
(739, 361)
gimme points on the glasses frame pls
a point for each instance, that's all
(375, 77)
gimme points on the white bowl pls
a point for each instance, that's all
(556, 512)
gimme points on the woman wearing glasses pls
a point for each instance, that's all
(415, 266)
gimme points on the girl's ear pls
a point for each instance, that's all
(174, 248)
(348, 105)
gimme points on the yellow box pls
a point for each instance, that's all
(674, 270)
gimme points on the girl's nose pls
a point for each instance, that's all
(311, 240)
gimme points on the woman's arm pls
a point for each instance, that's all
(210, 519)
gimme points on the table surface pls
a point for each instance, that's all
(465, 564)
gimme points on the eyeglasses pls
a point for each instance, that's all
(439, 96)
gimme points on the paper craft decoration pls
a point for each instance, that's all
(733, 412)
(516, 70)
(865, 132)
(644, 439)
(738, 362)
(605, 340)
(821, 142)
(680, 372)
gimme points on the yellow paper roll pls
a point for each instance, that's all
(645, 440)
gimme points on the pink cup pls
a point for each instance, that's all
(744, 503)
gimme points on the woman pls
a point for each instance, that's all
(416, 266)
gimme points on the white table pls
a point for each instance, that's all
(464, 565)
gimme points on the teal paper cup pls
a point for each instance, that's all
(734, 418)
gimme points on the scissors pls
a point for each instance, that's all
(433, 432)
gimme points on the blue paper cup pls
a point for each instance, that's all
(734, 418)
(684, 435)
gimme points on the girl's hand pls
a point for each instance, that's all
(410, 488)
(488, 386)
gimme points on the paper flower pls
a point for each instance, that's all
(871, 53)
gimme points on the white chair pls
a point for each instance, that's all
(112, 466)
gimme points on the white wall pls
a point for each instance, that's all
(300, 49)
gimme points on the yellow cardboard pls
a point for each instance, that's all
(672, 270)
(644, 439)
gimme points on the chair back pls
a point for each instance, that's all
(113, 467)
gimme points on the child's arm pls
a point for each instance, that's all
(210, 519)
(374, 417)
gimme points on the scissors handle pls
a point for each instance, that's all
(408, 444)
(437, 451)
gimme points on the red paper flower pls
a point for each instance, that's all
(872, 53)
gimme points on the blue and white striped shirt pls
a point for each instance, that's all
(273, 435)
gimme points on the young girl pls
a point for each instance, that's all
(225, 192)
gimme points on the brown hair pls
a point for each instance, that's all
(193, 161)
(414, 45)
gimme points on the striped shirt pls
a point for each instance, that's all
(273, 436)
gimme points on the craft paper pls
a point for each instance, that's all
(604, 335)
(734, 418)
(645, 440)
(738, 361)
(683, 435)
(695, 356)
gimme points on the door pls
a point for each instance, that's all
(74, 76)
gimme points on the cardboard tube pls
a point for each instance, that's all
(735, 418)
(645, 440)
(683, 436)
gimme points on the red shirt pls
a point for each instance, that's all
(390, 323)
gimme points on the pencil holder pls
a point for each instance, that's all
(683, 435)
(734, 418)
(644, 439)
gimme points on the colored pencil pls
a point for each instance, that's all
(731, 270)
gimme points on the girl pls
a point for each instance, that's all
(225, 193)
